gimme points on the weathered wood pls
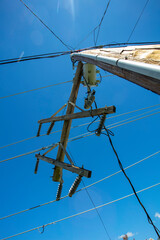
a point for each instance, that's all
(95, 112)
(69, 158)
(50, 128)
(39, 130)
(80, 171)
(144, 81)
(52, 124)
(50, 149)
(57, 176)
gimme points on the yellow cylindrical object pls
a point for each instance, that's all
(89, 74)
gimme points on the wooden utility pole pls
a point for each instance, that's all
(67, 118)
(57, 176)
(138, 64)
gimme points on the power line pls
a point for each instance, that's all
(122, 114)
(109, 133)
(40, 88)
(67, 46)
(54, 55)
(138, 20)
(89, 196)
(92, 184)
(80, 213)
(35, 89)
(99, 26)
(84, 135)
(131, 184)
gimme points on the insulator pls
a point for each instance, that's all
(59, 191)
(99, 130)
(36, 167)
(74, 186)
(89, 100)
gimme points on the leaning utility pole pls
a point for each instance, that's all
(138, 64)
(67, 118)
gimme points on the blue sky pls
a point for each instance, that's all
(23, 34)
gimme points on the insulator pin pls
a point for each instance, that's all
(74, 186)
(99, 130)
(59, 191)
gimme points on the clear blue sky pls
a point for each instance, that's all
(23, 34)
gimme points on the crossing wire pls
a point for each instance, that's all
(35, 89)
(86, 187)
(67, 46)
(90, 198)
(122, 114)
(99, 26)
(40, 88)
(138, 20)
(80, 213)
(84, 135)
(55, 55)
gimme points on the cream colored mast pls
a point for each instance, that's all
(138, 64)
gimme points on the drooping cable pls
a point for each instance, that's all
(88, 186)
(109, 133)
(80, 213)
(122, 169)
(67, 46)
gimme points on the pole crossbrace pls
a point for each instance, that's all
(80, 171)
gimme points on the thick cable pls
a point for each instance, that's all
(121, 167)
(80, 213)
(54, 55)
(86, 187)
(67, 46)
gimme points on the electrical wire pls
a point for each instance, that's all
(138, 20)
(84, 135)
(59, 54)
(80, 213)
(67, 46)
(119, 115)
(122, 169)
(109, 133)
(48, 86)
(89, 196)
(86, 187)
(35, 89)
(99, 26)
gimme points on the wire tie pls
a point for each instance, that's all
(42, 230)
